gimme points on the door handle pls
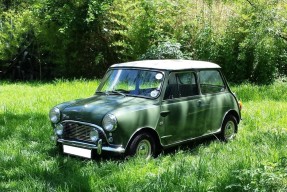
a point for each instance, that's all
(164, 113)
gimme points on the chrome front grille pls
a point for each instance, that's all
(78, 131)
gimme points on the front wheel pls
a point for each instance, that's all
(143, 146)
(229, 128)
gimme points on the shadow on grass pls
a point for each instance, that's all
(191, 146)
(30, 126)
(66, 172)
(71, 167)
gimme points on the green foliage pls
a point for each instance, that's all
(242, 40)
(142, 25)
(84, 37)
(73, 33)
(250, 50)
(266, 177)
(29, 161)
(15, 32)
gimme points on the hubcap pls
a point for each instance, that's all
(144, 149)
(229, 130)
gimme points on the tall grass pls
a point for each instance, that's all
(255, 161)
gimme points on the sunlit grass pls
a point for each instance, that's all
(255, 161)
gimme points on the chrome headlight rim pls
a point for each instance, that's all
(55, 115)
(109, 122)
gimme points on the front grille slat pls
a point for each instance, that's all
(80, 132)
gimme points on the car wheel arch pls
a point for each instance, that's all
(149, 131)
(234, 114)
(229, 128)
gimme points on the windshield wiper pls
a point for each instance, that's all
(101, 92)
(113, 91)
(118, 92)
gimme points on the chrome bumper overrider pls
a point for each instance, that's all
(97, 146)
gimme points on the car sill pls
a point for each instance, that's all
(191, 139)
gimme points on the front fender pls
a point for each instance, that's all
(131, 122)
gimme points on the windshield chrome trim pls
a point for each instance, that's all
(133, 68)
(127, 95)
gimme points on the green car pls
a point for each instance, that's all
(143, 107)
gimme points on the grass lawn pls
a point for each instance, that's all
(255, 161)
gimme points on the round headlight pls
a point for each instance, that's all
(110, 122)
(55, 115)
(59, 129)
(94, 135)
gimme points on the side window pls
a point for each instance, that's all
(181, 85)
(211, 82)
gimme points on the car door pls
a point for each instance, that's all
(181, 113)
(214, 98)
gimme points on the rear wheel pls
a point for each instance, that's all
(143, 146)
(229, 128)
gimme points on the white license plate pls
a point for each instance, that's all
(87, 153)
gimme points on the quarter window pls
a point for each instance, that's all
(211, 82)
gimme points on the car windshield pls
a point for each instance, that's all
(132, 82)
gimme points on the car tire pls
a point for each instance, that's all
(143, 146)
(228, 129)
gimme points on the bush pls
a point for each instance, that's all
(83, 38)
(164, 50)
(249, 50)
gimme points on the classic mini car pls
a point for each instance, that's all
(143, 107)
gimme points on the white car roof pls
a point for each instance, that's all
(168, 64)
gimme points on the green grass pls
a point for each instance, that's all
(255, 161)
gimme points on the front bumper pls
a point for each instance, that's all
(77, 135)
(98, 147)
